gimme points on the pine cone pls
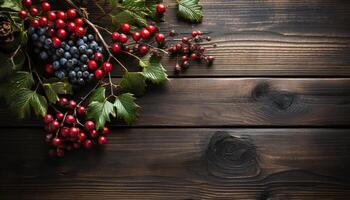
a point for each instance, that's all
(7, 33)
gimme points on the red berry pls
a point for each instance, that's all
(70, 119)
(143, 50)
(89, 125)
(74, 132)
(80, 31)
(88, 144)
(51, 32)
(136, 36)
(61, 33)
(71, 13)
(64, 132)
(152, 29)
(107, 67)
(194, 56)
(178, 47)
(184, 58)
(23, 14)
(161, 8)
(105, 130)
(27, 3)
(45, 6)
(99, 74)
(92, 65)
(82, 136)
(145, 34)
(48, 119)
(116, 48)
(55, 125)
(115, 36)
(35, 23)
(125, 28)
(56, 42)
(160, 38)
(61, 15)
(34, 11)
(51, 15)
(185, 40)
(72, 104)
(98, 56)
(123, 38)
(81, 110)
(62, 101)
(59, 116)
(71, 26)
(49, 69)
(211, 59)
(60, 23)
(195, 33)
(56, 141)
(60, 153)
(102, 140)
(79, 22)
(93, 133)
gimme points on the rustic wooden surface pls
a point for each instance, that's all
(270, 120)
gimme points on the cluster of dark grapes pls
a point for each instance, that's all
(68, 129)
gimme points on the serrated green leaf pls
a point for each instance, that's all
(126, 107)
(98, 95)
(39, 104)
(190, 10)
(21, 79)
(50, 93)
(129, 17)
(145, 61)
(133, 82)
(11, 4)
(60, 86)
(100, 112)
(153, 70)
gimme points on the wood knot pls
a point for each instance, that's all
(230, 156)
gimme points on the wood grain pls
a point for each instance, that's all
(267, 38)
(182, 164)
(239, 102)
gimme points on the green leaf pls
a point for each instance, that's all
(50, 93)
(153, 70)
(25, 100)
(126, 107)
(60, 86)
(100, 112)
(21, 79)
(190, 10)
(133, 82)
(98, 95)
(11, 4)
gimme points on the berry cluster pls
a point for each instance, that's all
(189, 49)
(68, 129)
(61, 39)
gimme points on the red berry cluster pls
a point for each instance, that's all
(68, 129)
(189, 49)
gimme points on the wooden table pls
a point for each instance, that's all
(270, 120)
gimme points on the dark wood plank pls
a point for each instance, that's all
(269, 38)
(182, 164)
(240, 102)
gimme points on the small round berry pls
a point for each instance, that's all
(56, 141)
(145, 34)
(98, 56)
(160, 38)
(23, 14)
(125, 28)
(74, 131)
(61, 33)
(201, 49)
(82, 136)
(72, 104)
(27, 3)
(34, 11)
(115, 36)
(184, 58)
(161, 8)
(81, 110)
(80, 31)
(152, 29)
(45, 6)
(105, 130)
(92, 65)
(116, 48)
(102, 140)
(60, 153)
(177, 68)
(71, 13)
(56, 42)
(35, 23)
(107, 66)
(55, 125)
(50, 32)
(59, 116)
(63, 101)
(185, 40)
(123, 38)
(79, 22)
(61, 15)
(89, 125)
(194, 56)
(71, 26)
(99, 74)
(49, 69)
(195, 33)
(51, 15)
(136, 36)
(143, 50)
(185, 64)
(178, 47)
(70, 119)
(88, 144)
(48, 118)
(60, 23)
(93, 133)
(64, 132)
(211, 59)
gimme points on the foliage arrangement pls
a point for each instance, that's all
(48, 55)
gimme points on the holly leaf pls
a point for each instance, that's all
(133, 82)
(153, 70)
(126, 107)
(190, 10)
(100, 112)
(98, 95)
(11, 4)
